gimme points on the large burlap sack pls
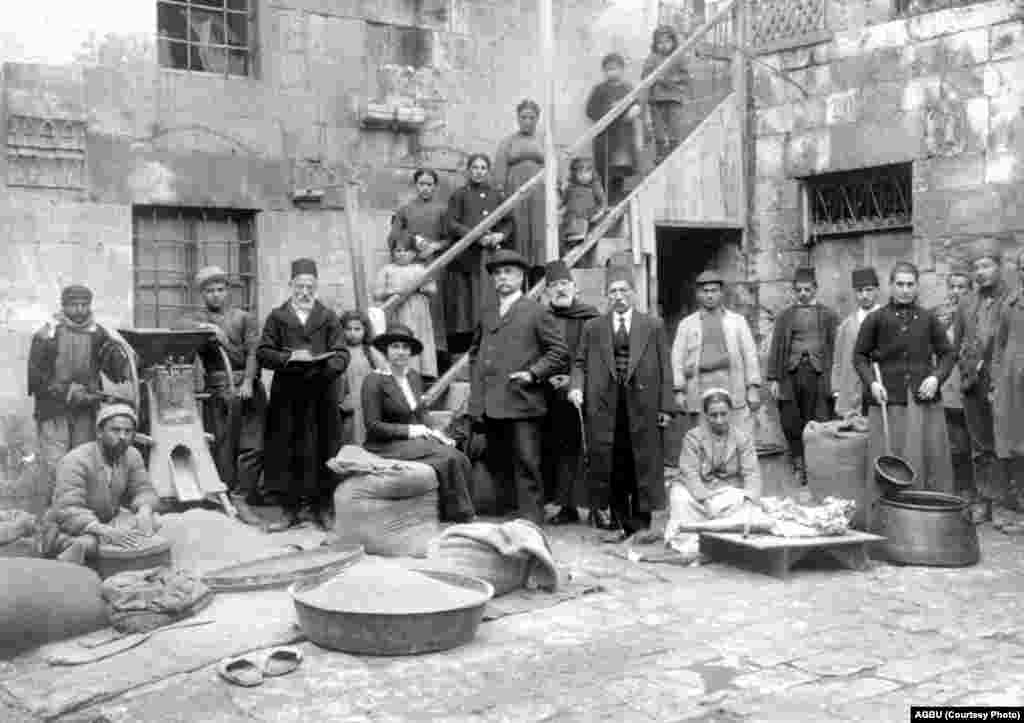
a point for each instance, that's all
(836, 455)
(393, 513)
(46, 600)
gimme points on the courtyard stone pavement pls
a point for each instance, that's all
(666, 643)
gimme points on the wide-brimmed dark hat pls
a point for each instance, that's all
(397, 332)
(507, 257)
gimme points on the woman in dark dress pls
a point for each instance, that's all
(424, 218)
(396, 429)
(467, 291)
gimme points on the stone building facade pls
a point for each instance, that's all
(157, 136)
(883, 131)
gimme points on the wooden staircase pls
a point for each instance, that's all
(714, 55)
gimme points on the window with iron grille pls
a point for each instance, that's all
(210, 36)
(172, 244)
(868, 199)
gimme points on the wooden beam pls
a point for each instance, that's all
(547, 43)
(582, 142)
(355, 244)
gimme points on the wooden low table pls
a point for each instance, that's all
(778, 555)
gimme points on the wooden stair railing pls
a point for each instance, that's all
(715, 33)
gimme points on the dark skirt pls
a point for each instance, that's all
(453, 468)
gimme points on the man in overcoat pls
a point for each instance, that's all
(799, 364)
(66, 361)
(974, 330)
(623, 381)
(517, 347)
(563, 437)
(303, 343)
(846, 386)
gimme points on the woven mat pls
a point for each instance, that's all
(528, 601)
(242, 622)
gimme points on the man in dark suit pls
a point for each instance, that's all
(516, 348)
(623, 377)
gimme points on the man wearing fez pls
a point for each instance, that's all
(65, 362)
(94, 481)
(236, 422)
(800, 364)
(516, 349)
(563, 436)
(958, 287)
(303, 343)
(974, 331)
(846, 386)
(714, 348)
(623, 381)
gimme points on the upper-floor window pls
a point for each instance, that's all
(211, 36)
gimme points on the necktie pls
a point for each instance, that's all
(621, 335)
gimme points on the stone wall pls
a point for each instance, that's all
(124, 131)
(942, 91)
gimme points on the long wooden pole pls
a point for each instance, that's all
(582, 142)
(355, 244)
(547, 41)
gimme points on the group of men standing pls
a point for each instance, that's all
(573, 402)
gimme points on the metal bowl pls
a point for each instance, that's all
(283, 570)
(394, 633)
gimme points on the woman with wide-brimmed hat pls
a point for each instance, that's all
(396, 423)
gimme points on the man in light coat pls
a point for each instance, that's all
(714, 347)
(846, 384)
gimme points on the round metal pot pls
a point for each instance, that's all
(393, 634)
(926, 528)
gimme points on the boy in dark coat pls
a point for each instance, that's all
(563, 437)
(799, 365)
(666, 95)
(304, 344)
(517, 348)
(623, 380)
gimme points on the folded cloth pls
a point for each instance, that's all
(519, 539)
(351, 461)
(15, 525)
(142, 600)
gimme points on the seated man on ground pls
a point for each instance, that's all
(94, 480)
(720, 475)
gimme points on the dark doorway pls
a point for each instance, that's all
(682, 254)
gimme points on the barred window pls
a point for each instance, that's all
(211, 36)
(865, 200)
(172, 244)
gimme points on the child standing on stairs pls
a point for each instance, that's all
(666, 95)
(414, 312)
(583, 205)
(615, 148)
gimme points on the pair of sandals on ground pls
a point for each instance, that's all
(252, 669)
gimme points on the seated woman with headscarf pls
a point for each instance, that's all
(396, 424)
(719, 476)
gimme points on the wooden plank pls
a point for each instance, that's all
(773, 542)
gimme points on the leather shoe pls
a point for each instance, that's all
(602, 520)
(565, 516)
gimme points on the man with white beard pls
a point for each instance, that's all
(563, 435)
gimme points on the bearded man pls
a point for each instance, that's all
(94, 480)
(563, 434)
(65, 363)
(304, 344)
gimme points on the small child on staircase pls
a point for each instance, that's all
(583, 204)
(667, 94)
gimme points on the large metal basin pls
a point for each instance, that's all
(393, 634)
(926, 528)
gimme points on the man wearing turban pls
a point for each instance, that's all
(65, 362)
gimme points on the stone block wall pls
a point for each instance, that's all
(942, 91)
(140, 134)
